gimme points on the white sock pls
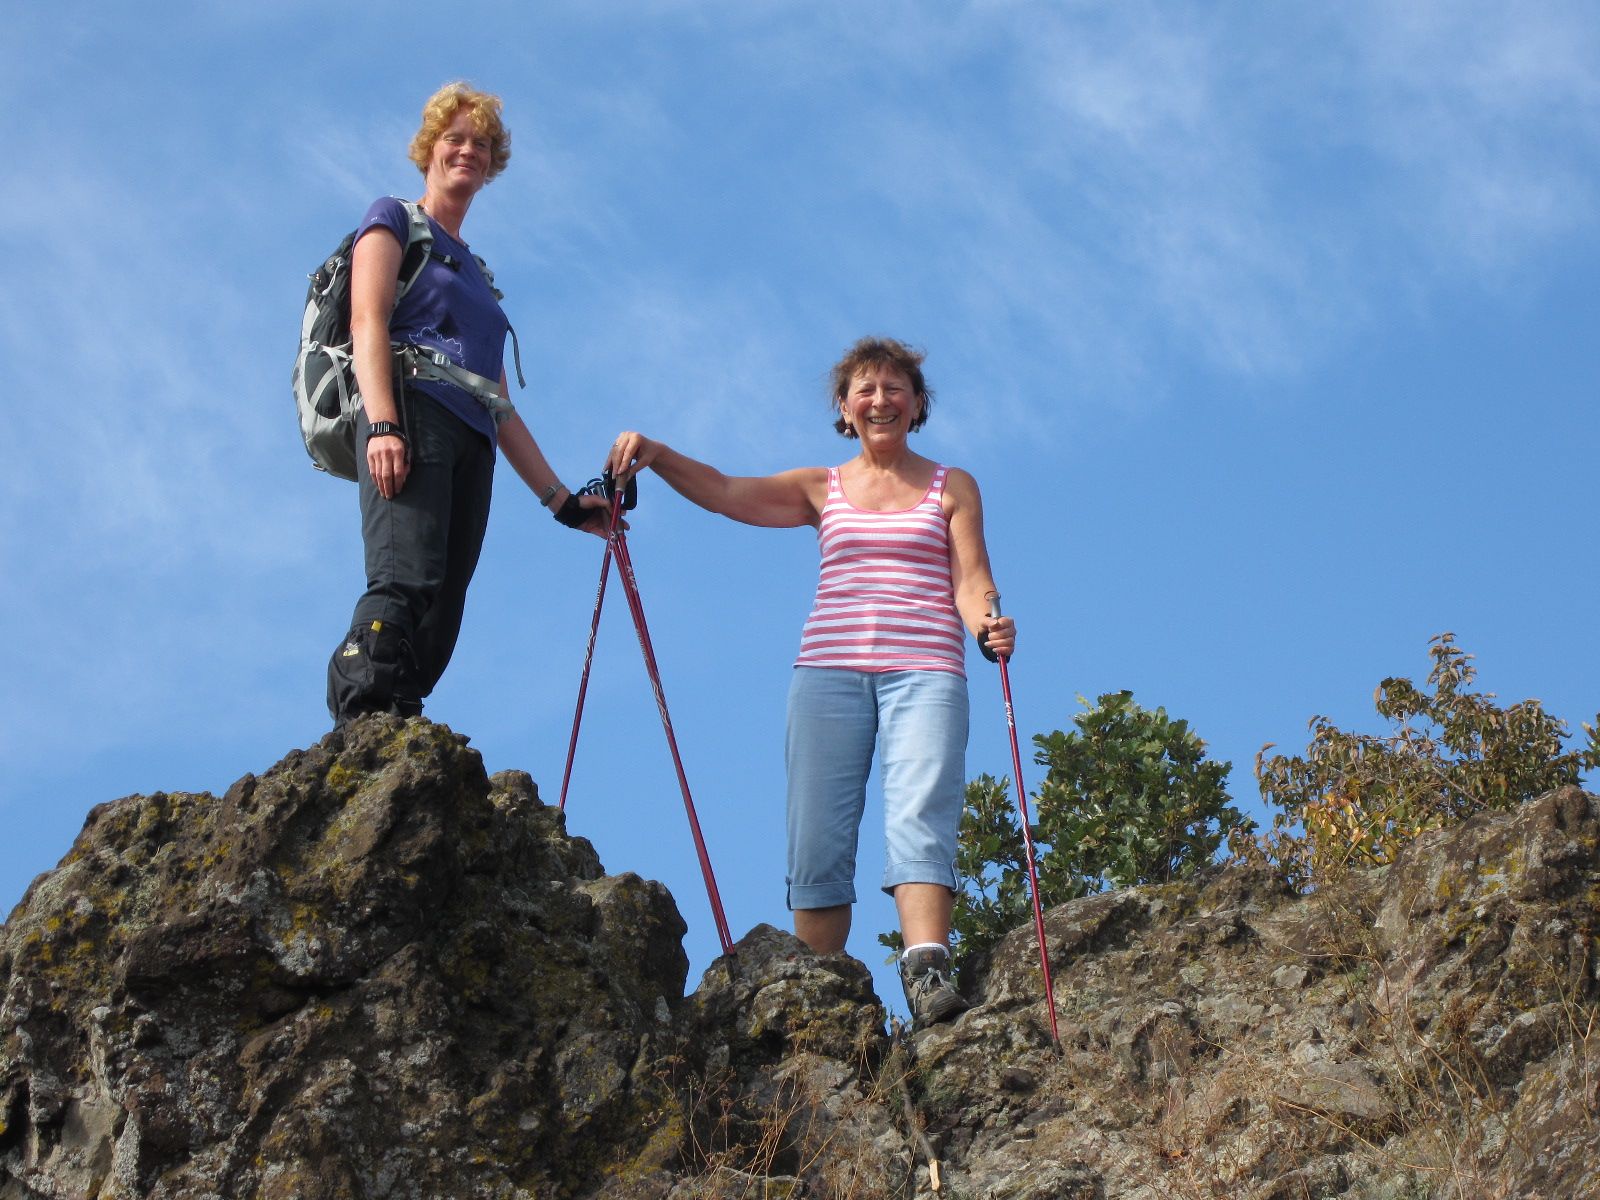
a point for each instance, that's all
(925, 946)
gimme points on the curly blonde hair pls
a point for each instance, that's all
(442, 108)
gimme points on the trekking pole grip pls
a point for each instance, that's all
(983, 634)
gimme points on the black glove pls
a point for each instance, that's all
(572, 514)
(575, 516)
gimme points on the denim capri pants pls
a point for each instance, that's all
(918, 722)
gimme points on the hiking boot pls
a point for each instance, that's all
(925, 976)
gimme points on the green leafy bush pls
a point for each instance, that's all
(1356, 799)
(1128, 798)
(992, 870)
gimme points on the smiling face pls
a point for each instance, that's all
(461, 156)
(441, 115)
(865, 366)
(880, 404)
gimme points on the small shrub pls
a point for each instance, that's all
(1357, 799)
(992, 870)
(1128, 798)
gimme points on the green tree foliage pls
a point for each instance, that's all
(992, 869)
(1128, 798)
(1357, 799)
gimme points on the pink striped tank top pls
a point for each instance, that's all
(884, 598)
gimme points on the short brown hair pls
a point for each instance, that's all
(442, 108)
(872, 352)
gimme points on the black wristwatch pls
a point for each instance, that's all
(386, 429)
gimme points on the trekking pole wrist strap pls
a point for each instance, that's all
(570, 513)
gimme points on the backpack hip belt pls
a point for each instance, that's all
(418, 362)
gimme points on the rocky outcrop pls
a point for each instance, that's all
(1427, 1030)
(375, 972)
(372, 971)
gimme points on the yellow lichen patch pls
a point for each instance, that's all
(1516, 864)
(1448, 888)
(303, 918)
(669, 1132)
(216, 856)
(342, 781)
(467, 970)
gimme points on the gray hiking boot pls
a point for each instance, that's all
(925, 976)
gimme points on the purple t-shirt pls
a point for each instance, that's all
(451, 309)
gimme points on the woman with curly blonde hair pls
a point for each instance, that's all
(425, 446)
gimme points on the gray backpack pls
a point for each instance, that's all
(325, 392)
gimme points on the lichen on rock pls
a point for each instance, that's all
(375, 972)
(370, 971)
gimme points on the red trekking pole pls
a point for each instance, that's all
(617, 546)
(1027, 833)
(588, 661)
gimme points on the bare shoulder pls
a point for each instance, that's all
(810, 482)
(806, 476)
(960, 490)
(793, 497)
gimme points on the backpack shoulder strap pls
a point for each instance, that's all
(419, 220)
(516, 348)
(419, 243)
(488, 276)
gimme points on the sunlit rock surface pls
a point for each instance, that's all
(375, 972)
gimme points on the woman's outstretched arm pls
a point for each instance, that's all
(779, 501)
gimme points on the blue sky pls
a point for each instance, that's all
(1268, 332)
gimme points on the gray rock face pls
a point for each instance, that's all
(374, 972)
(1421, 1031)
(370, 972)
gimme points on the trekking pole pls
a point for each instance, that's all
(593, 487)
(630, 588)
(617, 547)
(1027, 834)
(588, 661)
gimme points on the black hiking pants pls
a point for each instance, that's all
(421, 550)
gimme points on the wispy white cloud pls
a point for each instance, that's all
(1487, 122)
(1073, 206)
(1259, 189)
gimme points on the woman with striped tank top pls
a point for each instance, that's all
(882, 655)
